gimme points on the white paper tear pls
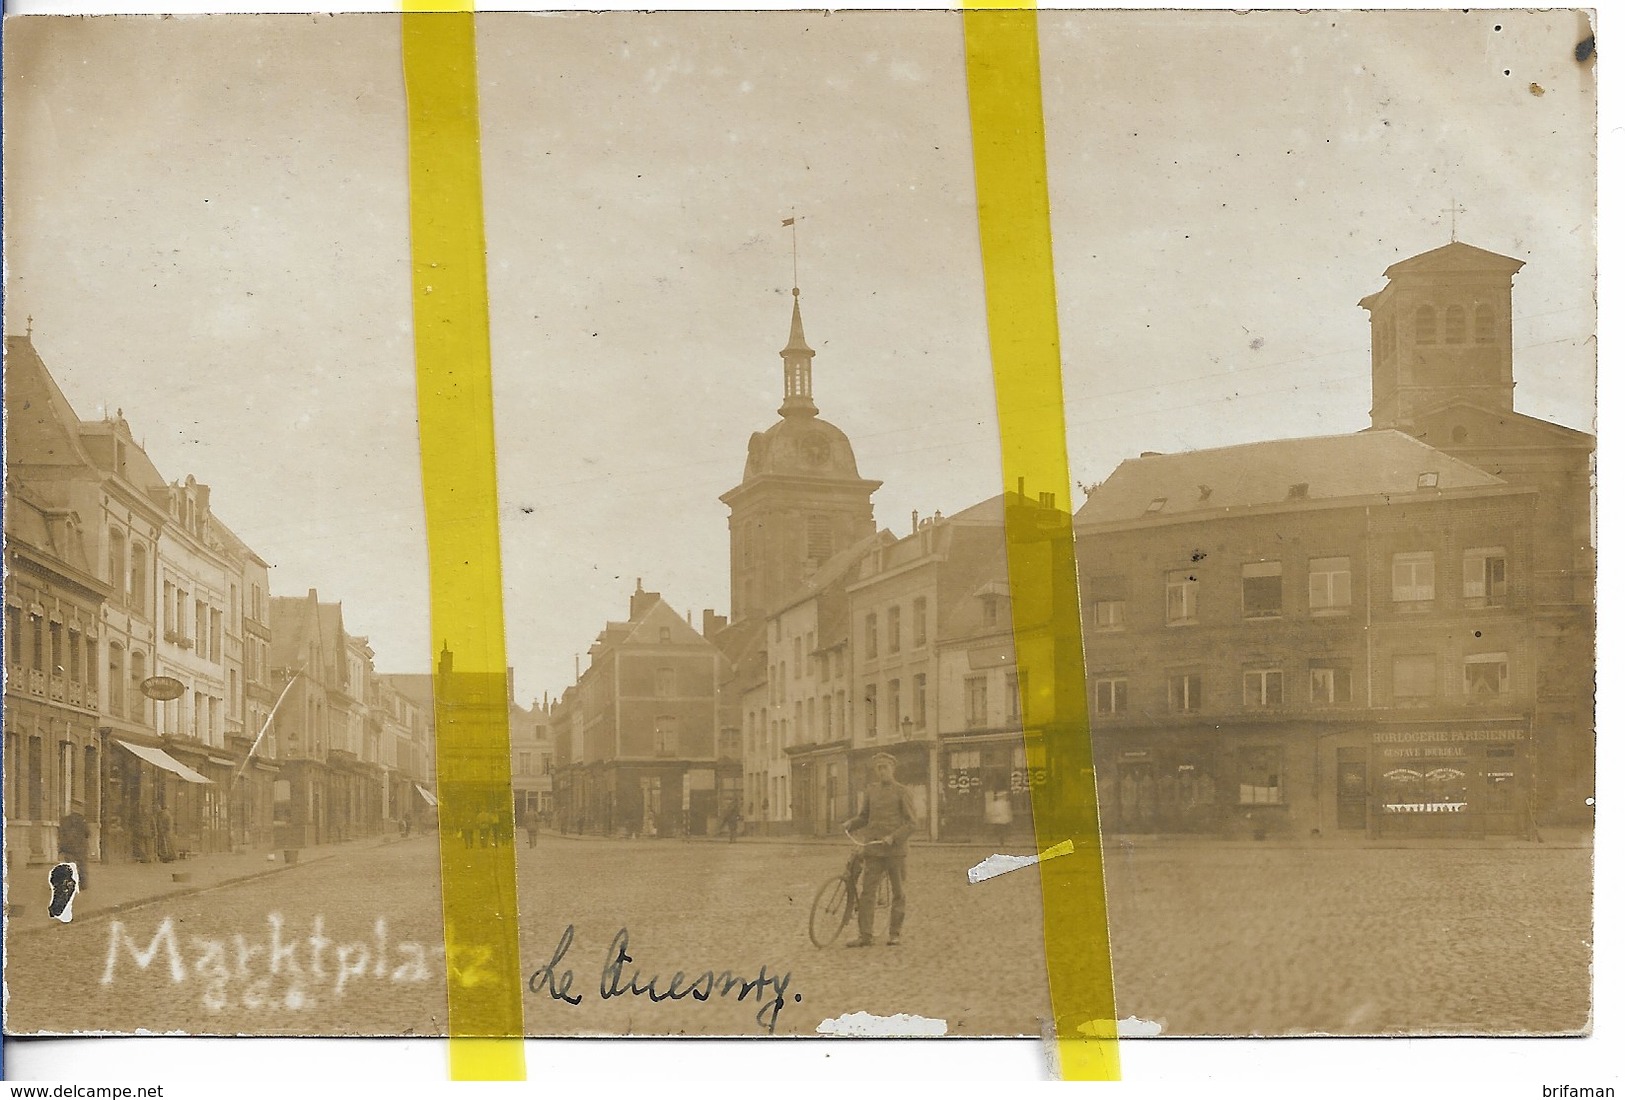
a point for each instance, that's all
(863, 1025)
(997, 864)
(1136, 1028)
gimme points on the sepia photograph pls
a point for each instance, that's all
(1326, 292)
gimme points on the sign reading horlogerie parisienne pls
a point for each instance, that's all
(1412, 736)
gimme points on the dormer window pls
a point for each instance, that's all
(990, 611)
(1156, 505)
(1429, 480)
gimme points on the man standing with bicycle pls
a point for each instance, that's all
(886, 817)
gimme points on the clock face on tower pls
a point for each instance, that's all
(814, 451)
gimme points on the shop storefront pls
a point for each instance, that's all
(1165, 788)
(1442, 781)
(986, 790)
(823, 796)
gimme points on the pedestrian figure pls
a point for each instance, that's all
(731, 821)
(164, 834)
(484, 821)
(999, 816)
(141, 836)
(533, 825)
(73, 842)
(884, 821)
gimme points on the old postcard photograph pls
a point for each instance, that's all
(1326, 295)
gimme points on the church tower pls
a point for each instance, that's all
(1441, 332)
(801, 500)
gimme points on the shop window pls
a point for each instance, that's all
(1329, 586)
(871, 636)
(1413, 579)
(919, 621)
(1185, 692)
(1484, 577)
(1262, 687)
(1330, 685)
(871, 711)
(1110, 614)
(976, 702)
(1485, 676)
(1427, 325)
(1484, 323)
(1111, 695)
(1181, 590)
(1415, 680)
(1455, 325)
(1261, 590)
(1259, 768)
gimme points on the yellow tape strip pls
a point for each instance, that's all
(478, 888)
(1012, 196)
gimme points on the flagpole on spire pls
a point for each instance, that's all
(795, 263)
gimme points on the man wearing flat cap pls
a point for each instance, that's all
(884, 821)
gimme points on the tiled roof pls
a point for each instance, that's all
(1287, 471)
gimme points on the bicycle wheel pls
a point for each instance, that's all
(831, 909)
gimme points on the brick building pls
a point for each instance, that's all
(643, 725)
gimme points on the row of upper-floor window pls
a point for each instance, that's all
(918, 633)
(1413, 586)
(1431, 325)
(199, 715)
(194, 622)
(1415, 680)
(128, 571)
(803, 664)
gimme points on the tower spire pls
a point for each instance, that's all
(797, 356)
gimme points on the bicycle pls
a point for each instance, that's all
(837, 899)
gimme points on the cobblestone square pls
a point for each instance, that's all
(1207, 940)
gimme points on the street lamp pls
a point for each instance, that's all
(908, 729)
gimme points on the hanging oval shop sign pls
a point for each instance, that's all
(162, 688)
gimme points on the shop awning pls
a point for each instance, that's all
(160, 759)
(427, 797)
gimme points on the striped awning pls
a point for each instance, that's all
(427, 797)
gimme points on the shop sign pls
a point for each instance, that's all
(1411, 737)
(1022, 779)
(1425, 807)
(1454, 752)
(963, 781)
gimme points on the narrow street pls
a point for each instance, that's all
(1218, 939)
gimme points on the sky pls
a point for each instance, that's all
(206, 227)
